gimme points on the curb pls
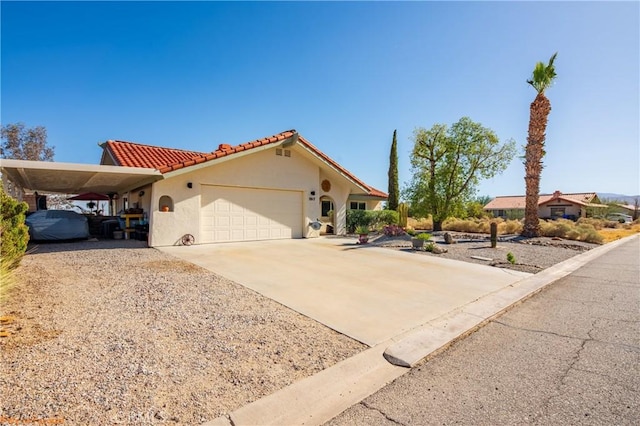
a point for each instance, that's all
(414, 346)
(319, 398)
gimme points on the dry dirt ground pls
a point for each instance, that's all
(112, 332)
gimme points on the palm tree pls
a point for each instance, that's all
(543, 76)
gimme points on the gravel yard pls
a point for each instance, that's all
(531, 254)
(113, 332)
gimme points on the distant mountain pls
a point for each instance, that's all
(607, 196)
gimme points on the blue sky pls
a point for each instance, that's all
(345, 75)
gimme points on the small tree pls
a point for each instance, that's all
(394, 189)
(448, 163)
(20, 143)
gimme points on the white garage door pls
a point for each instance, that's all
(245, 214)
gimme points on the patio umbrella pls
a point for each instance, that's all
(90, 196)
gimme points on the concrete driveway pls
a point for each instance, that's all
(368, 293)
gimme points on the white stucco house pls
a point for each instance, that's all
(270, 188)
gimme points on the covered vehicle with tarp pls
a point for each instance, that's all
(57, 225)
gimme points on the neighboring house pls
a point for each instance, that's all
(550, 206)
(269, 188)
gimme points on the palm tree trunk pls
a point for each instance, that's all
(539, 114)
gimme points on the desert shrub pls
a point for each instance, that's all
(7, 279)
(588, 233)
(564, 228)
(595, 222)
(482, 225)
(555, 228)
(411, 231)
(511, 226)
(511, 258)
(393, 231)
(429, 247)
(420, 223)
(472, 225)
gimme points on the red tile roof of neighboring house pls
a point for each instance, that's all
(165, 160)
(518, 201)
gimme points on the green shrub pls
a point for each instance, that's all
(511, 258)
(429, 247)
(411, 231)
(14, 234)
(362, 230)
(356, 218)
(423, 236)
(380, 218)
(371, 218)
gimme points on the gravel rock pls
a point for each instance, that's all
(112, 332)
(532, 254)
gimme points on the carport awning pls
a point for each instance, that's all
(72, 178)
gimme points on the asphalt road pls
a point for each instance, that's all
(569, 355)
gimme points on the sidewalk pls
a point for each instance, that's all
(569, 355)
(520, 358)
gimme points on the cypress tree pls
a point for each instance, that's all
(394, 191)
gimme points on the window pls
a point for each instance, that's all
(327, 206)
(557, 212)
(355, 205)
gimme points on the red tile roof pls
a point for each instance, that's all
(518, 201)
(165, 160)
(130, 154)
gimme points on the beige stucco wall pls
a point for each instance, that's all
(569, 209)
(255, 170)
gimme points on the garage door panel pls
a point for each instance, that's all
(244, 214)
